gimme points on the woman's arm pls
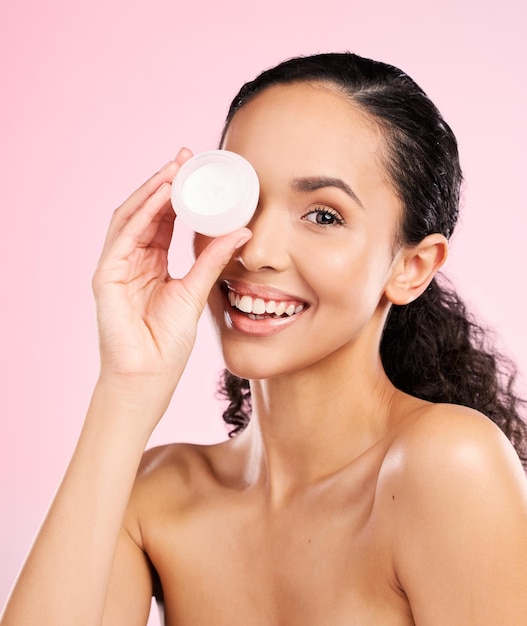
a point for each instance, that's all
(147, 324)
(460, 503)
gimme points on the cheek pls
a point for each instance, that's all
(346, 275)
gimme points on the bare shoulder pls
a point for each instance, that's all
(442, 440)
(455, 494)
(180, 464)
(169, 479)
(168, 461)
(455, 454)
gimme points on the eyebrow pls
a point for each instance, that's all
(312, 183)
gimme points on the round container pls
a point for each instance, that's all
(215, 192)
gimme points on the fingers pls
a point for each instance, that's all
(165, 227)
(145, 226)
(165, 175)
(183, 155)
(211, 262)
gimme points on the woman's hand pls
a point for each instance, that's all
(147, 319)
(147, 324)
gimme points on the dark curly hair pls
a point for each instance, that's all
(431, 348)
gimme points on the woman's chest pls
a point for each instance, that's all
(320, 560)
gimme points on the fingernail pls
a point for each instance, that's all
(243, 240)
(183, 151)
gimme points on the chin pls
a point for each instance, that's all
(251, 369)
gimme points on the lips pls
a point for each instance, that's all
(269, 308)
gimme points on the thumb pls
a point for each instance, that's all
(211, 262)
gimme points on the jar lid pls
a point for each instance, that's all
(215, 192)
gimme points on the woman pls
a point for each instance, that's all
(360, 491)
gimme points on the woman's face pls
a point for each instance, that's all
(308, 288)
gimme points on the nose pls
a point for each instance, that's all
(268, 247)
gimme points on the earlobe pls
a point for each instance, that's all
(415, 267)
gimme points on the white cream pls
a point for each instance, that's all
(215, 192)
(213, 189)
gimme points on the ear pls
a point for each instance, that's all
(415, 267)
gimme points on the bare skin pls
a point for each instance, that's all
(330, 552)
(344, 501)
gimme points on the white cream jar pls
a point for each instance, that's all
(215, 192)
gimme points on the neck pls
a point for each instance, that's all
(307, 425)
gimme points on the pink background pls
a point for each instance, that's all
(97, 95)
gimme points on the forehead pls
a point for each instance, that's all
(306, 128)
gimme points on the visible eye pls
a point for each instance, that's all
(324, 216)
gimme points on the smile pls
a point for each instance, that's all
(260, 308)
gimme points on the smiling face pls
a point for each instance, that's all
(308, 288)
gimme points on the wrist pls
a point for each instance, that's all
(134, 401)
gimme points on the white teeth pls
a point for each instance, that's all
(280, 309)
(270, 307)
(257, 308)
(245, 304)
